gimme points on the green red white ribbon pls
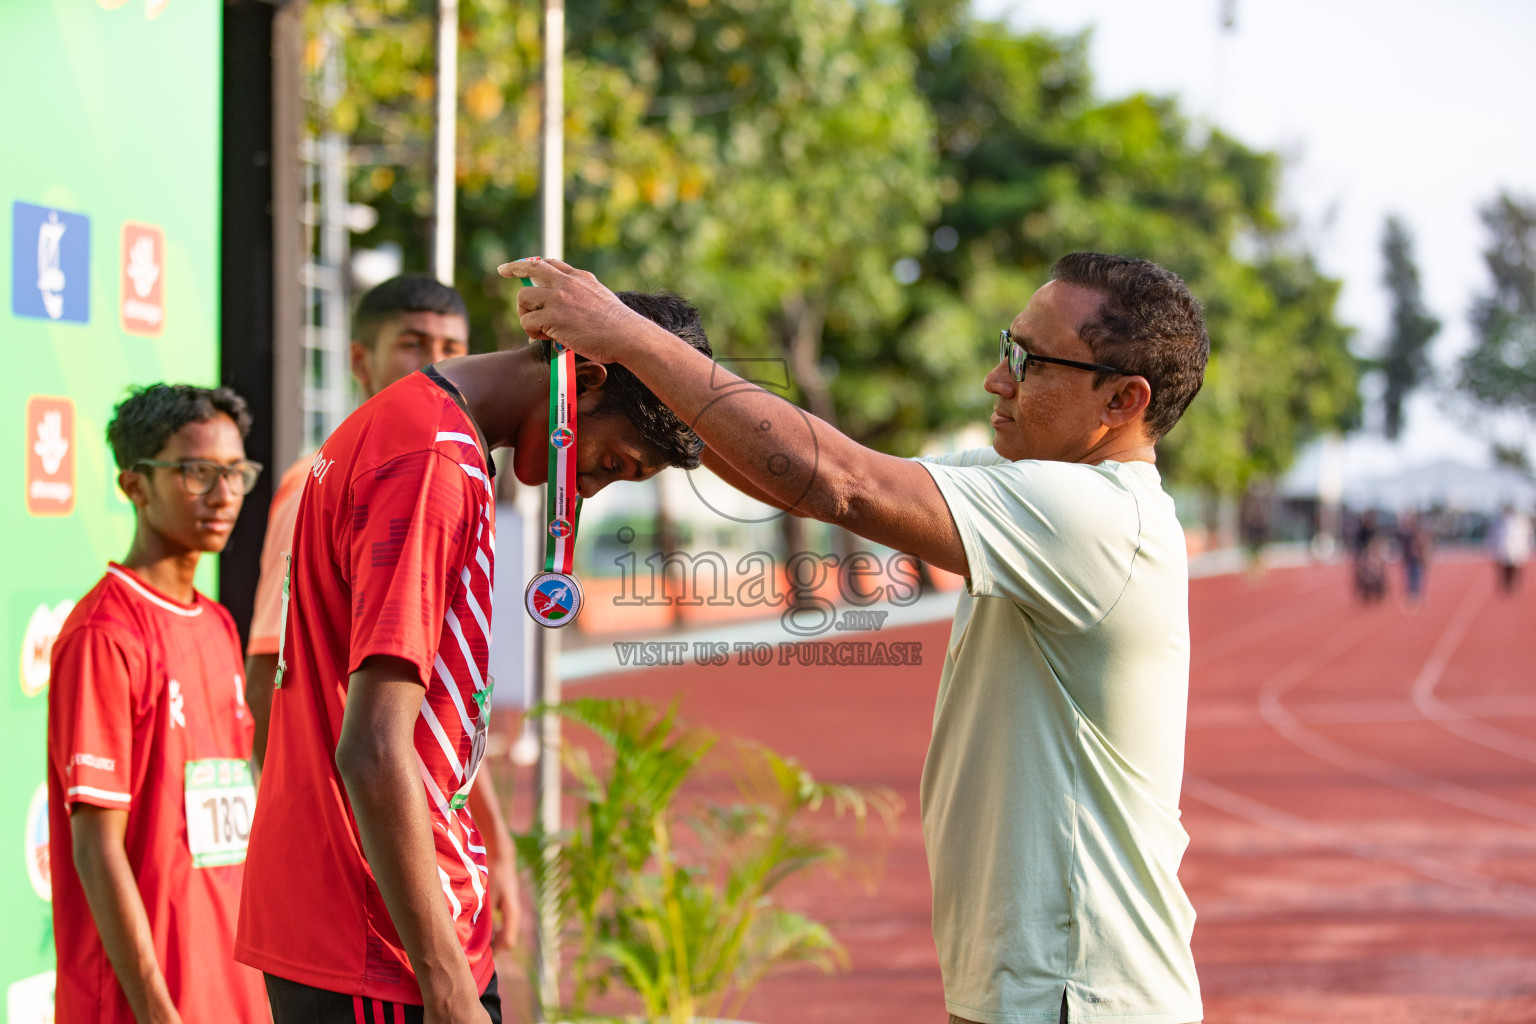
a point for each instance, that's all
(554, 597)
(562, 506)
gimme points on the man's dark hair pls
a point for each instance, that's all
(408, 293)
(1148, 325)
(146, 419)
(623, 394)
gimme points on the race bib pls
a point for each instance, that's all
(220, 801)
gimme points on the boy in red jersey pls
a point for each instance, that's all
(149, 791)
(365, 896)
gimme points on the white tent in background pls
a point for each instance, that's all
(1444, 484)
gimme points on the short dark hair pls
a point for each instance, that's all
(408, 293)
(623, 393)
(1148, 325)
(146, 419)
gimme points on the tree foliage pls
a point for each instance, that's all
(1036, 166)
(868, 190)
(1499, 372)
(1405, 360)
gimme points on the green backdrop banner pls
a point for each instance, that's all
(109, 194)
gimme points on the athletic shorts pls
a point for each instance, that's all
(293, 1003)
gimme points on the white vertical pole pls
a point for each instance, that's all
(547, 688)
(447, 138)
(335, 247)
(553, 172)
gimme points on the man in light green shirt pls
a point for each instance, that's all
(1050, 794)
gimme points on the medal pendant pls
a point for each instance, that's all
(553, 599)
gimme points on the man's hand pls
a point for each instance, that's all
(574, 308)
(468, 1013)
(506, 903)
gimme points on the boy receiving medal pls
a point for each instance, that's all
(364, 879)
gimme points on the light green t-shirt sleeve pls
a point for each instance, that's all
(1057, 538)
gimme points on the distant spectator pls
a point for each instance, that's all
(1369, 549)
(1254, 525)
(1510, 542)
(1413, 543)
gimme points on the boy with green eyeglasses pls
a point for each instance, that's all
(149, 737)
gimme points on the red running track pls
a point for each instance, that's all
(1360, 794)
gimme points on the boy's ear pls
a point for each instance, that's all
(132, 484)
(590, 375)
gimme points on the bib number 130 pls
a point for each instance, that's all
(221, 798)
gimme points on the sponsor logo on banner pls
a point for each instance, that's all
(143, 302)
(30, 1000)
(37, 645)
(50, 456)
(50, 263)
(38, 871)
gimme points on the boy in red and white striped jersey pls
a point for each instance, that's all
(365, 897)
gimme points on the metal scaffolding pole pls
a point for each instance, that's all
(547, 679)
(327, 394)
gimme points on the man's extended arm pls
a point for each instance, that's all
(795, 459)
(96, 839)
(376, 757)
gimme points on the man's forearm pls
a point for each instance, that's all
(260, 673)
(798, 461)
(112, 893)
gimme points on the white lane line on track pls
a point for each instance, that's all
(1235, 715)
(1457, 720)
(1433, 868)
(1341, 756)
(1232, 641)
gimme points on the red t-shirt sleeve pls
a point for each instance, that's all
(94, 678)
(412, 522)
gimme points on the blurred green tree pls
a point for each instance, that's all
(1499, 373)
(1405, 360)
(1033, 166)
(868, 190)
(821, 172)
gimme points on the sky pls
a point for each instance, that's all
(1419, 108)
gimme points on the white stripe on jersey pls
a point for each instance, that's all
(485, 565)
(454, 435)
(100, 794)
(469, 658)
(453, 691)
(448, 815)
(474, 606)
(442, 876)
(475, 474)
(190, 613)
(442, 739)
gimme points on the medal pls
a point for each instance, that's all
(553, 598)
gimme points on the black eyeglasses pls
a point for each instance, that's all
(199, 476)
(1018, 359)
